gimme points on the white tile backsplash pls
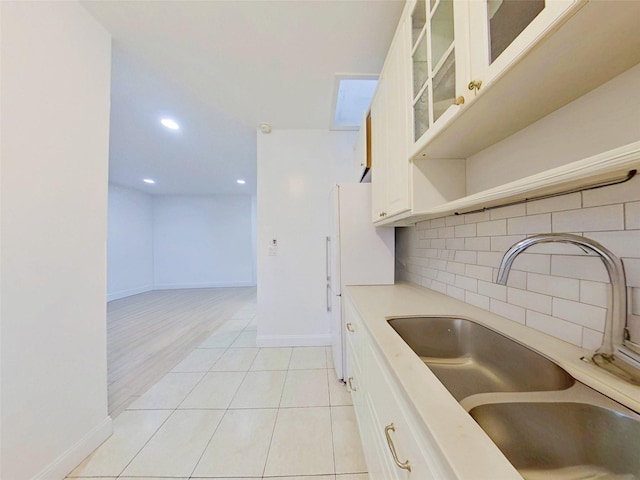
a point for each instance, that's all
(572, 201)
(575, 312)
(632, 215)
(531, 262)
(495, 227)
(493, 290)
(625, 244)
(517, 314)
(568, 288)
(567, 331)
(468, 230)
(624, 192)
(508, 212)
(594, 293)
(596, 219)
(577, 266)
(529, 225)
(477, 300)
(469, 284)
(554, 288)
(529, 300)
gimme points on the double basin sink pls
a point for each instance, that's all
(547, 424)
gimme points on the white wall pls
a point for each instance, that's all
(203, 241)
(296, 169)
(129, 242)
(55, 131)
(599, 121)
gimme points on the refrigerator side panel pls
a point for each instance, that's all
(367, 253)
(334, 241)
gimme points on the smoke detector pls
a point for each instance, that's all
(265, 128)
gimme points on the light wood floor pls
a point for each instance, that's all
(150, 333)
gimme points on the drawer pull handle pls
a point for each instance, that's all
(350, 327)
(350, 383)
(403, 465)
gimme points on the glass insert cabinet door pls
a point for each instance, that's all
(501, 31)
(433, 62)
(507, 19)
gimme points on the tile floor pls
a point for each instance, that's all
(233, 411)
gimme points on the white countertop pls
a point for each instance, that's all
(469, 452)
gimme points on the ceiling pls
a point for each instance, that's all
(220, 68)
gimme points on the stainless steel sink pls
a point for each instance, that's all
(470, 359)
(564, 440)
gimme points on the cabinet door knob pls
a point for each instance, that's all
(459, 100)
(475, 85)
(387, 432)
(350, 327)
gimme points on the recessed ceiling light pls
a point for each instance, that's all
(148, 180)
(170, 124)
(240, 181)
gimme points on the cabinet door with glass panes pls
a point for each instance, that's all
(438, 71)
(501, 31)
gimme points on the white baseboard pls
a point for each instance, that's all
(293, 340)
(176, 286)
(66, 462)
(128, 293)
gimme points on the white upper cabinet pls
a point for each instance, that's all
(390, 132)
(501, 31)
(462, 75)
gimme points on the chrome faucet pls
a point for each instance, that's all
(615, 331)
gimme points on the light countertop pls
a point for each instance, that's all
(469, 452)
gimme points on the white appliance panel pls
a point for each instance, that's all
(360, 254)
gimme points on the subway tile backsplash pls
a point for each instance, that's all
(554, 288)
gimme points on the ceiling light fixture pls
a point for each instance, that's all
(148, 180)
(240, 181)
(170, 124)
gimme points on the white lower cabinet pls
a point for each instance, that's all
(395, 441)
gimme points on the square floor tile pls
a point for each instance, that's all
(176, 448)
(347, 446)
(302, 443)
(338, 392)
(131, 430)
(235, 360)
(234, 325)
(240, 444)
(260, 390)
(100, 478)
(217, 478)
(306, 388)
(305, 477)
(168, 392)
(304, 358)
(246, 339)
(200, 360)
(272, 359)
(215, 390)
(329, 351)
(148, 478)
(220, 340)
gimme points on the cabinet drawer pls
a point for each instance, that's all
(396, 425)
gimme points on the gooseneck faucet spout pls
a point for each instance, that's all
(615, 331)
